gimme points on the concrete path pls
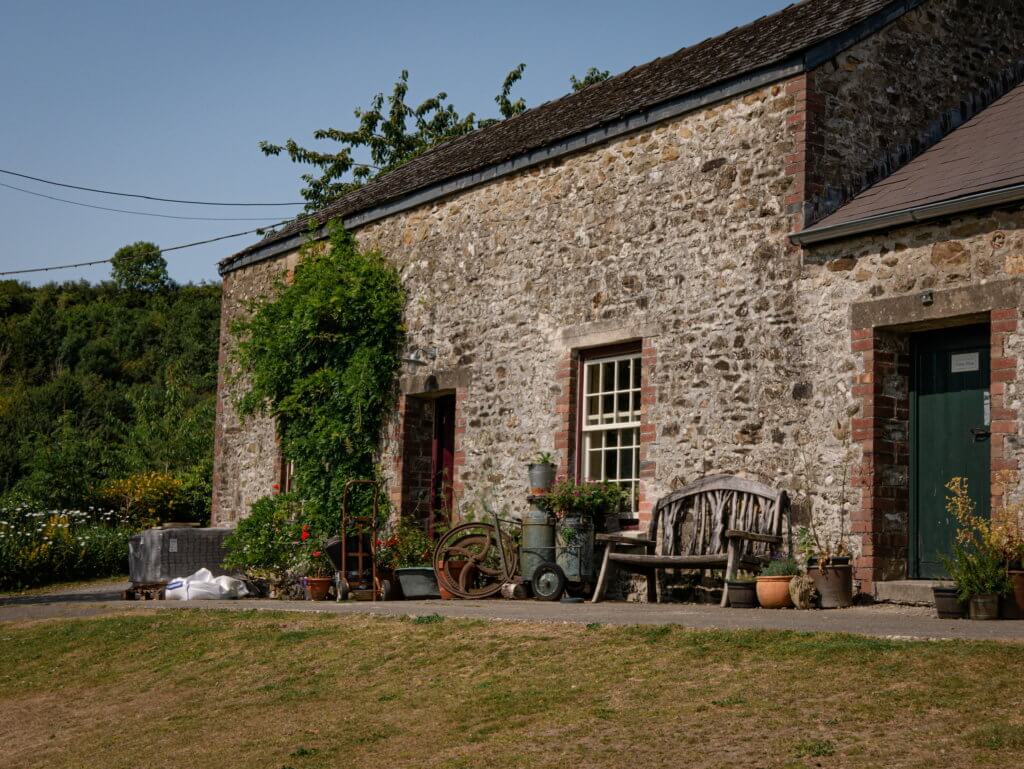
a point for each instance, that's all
(882, 621)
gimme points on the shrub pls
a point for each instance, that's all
(409, 545)
(781, 567)
(38, 547)
(145, 499)
(588, 500)
(264, 545)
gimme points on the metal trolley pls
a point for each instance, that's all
(353, 553)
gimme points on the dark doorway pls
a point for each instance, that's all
(950, 415)
(442, 468)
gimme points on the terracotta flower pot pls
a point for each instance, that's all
(318, 587)
(454, 569)
(773, 592)
(1015, 600)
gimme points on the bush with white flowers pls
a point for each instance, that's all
(41, 546)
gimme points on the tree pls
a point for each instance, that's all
(393, 132)
(594, 75)
(140, 267)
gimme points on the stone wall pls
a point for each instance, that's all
(860, 298)
(247, 463)
(886, 99)
(677, 237)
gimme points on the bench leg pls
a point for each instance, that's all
(730, 571)
(602, 579)
(652, 585)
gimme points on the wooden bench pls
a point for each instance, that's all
(718, 522)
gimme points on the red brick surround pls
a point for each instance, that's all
(882, 432)
(567, 376)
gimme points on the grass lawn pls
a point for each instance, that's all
(214, 690)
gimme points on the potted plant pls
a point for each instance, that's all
(580, 510)
(979, 561)
(828, 565)
(773, 583)
(316, 571)
(542, 473)
(408, 552)
(742, 593)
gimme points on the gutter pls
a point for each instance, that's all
(906, 216)
(796, 64)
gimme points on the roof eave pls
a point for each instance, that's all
(907, 216)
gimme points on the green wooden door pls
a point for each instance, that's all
(949, 419)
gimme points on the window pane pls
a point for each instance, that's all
(626, 463)
(593, 472)
(608, 407)
(611, 465)
(623, 407)
(593, 375)
(593, 409)
(608, 376)
(622, 378)
(636, 373)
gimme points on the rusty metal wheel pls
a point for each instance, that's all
(467, 561)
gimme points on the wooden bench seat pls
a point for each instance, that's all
(719, 522)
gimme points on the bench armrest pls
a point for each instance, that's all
(751, 536)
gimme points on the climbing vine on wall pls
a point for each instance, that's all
(321, 356)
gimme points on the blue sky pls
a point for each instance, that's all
(171, 99)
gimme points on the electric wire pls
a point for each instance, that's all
(141, 213)
(162, 251)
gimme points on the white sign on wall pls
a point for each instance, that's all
(964, 362)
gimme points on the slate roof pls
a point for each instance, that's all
(768, 41)
(985, 154)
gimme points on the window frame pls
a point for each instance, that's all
(630, 349)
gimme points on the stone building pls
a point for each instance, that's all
(789, 252)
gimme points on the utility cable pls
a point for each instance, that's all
(162, 251)
(141, 213)
(154, 197)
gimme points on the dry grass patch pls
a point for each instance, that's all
(226, 689)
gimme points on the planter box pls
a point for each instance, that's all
(418, 583)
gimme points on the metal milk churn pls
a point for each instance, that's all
(576, 549)
(538, 544)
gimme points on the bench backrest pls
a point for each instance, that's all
(693, 520)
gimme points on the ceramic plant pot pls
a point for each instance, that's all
(947, 604)
(985, 607)
(318, 587)
(418, 582)
(542, 477)
(773, 592)
(742, 595)
(834, 584)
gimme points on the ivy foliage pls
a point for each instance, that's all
(321, 357)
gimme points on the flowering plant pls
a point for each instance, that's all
(407, 545)
(312, 560)
(586, 500)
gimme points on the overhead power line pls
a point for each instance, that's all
(162, 251)
(141, 213)
(152, 197)
(143, 197)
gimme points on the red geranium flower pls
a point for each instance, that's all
(305, 532)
